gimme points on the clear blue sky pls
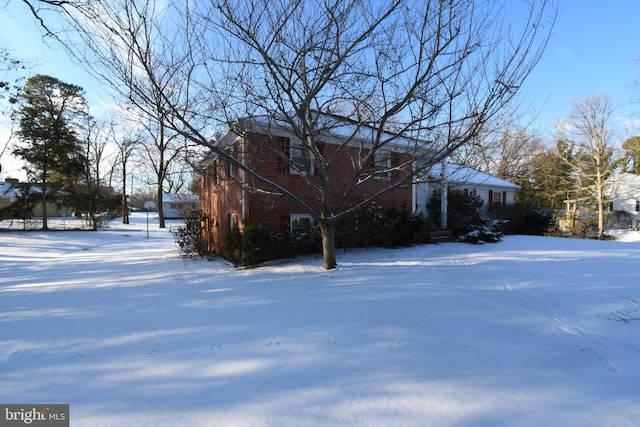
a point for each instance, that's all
(595, 48)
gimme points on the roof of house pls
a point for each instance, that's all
(180, 198)
(332, 128)
(464, 175)
(624, 185)
(626, 178)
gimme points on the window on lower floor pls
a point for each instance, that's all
(232, 220)
(300, 223)
(496, 199)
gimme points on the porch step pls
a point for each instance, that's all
(440, 235)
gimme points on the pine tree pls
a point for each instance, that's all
(47, 111)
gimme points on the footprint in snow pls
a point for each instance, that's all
(273, 344)
(214, 346)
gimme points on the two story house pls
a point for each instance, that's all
(230, 195)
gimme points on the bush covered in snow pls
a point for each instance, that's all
(489, 232)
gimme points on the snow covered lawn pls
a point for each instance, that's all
(531, 331)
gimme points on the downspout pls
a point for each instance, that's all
(443, 197)
(242, 183)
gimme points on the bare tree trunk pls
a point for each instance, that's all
(125, 205)
(160, 209)
(328, 234)
(45, 225)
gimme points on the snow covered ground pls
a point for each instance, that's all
(532, 331)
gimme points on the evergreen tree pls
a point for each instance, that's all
(47, 111)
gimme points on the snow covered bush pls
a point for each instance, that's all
(486, 233)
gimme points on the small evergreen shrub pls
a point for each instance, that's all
(463, 214)
(251, 246)
(485, 233)
(189, 238)
(528, 220)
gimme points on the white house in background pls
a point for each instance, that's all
(624, 192)
(494, 192)
(178, 206)
(8, 193)
(11, 190)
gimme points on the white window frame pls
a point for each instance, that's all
(232, 220)
(296, 217)
(296, 162)
(499, 200)
(382, 161)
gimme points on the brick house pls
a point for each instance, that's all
(229, 195)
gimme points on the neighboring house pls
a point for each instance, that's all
(179, 206)
(270, 150)
(8, 193)
(624, 192)
(11, 189)
(496, 193)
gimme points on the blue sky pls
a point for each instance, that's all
(595, 48)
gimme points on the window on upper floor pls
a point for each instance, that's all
(299, 162)
(382, 162)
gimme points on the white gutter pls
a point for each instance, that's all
(443, 197)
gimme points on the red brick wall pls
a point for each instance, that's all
(264, 154)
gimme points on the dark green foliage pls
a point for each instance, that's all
(483, 233)
(22, 207)
(388, 228)
(392, 227)
(396, 227)
(190, 238)
(251, 246)
(48, 112)
(527, 219)
(463, 211)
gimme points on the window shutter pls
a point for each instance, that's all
(395, 162)
(490, 200)
(283, 145)
(504, 198)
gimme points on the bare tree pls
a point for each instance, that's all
(437, 72)
(127, 144)
(434, 72)
(589, 128)
(508, 151)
